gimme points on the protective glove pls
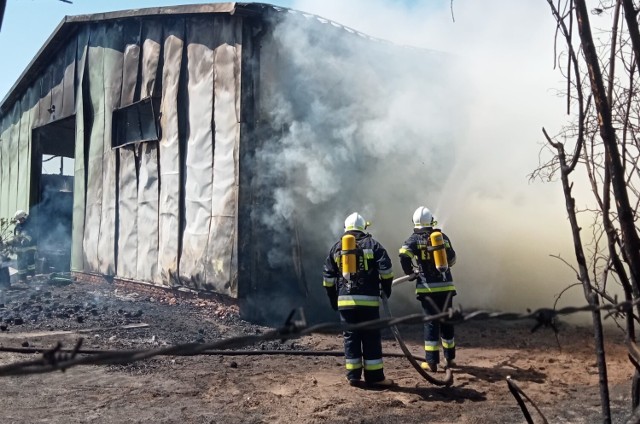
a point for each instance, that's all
(414, 276)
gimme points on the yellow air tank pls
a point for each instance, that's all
(439, 252)
(348, 259)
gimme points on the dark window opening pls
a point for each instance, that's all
(136, 123)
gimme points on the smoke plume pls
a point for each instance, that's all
(451, 122)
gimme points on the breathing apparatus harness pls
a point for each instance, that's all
(432, 244)
(352, 261)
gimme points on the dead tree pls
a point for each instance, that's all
(602, 98)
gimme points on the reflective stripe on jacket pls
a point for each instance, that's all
(374, 266)
(416, 249)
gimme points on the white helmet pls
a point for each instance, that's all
(355, 221)
(423, 217)
(20, 215)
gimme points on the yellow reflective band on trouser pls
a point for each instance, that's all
(448, 343)
(406, 252)
(435, 289)
(329, 282)
(358, 300)
(373, 364)
(353, 364)
(431, 346)
(386, 274)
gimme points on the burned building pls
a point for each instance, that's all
(169, 117)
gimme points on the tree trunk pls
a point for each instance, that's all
(589, 295)
(631, 241)
(630, 15)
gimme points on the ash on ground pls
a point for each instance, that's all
(111, 316)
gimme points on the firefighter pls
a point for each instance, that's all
(434, 284)
(25, 245)
(355, 293)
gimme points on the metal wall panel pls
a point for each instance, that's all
(169, 204)
(226, 114)
(112, 74)
(243, 258)
(69, 80)
(24, 154)
(148, 175)
(95, 153)
(56, 72)
(57, 87)
(127, 178)
(5, 170)
(198, 177)
(79, 174)
(44, 85)
(13, 158)
(148, 212)
(131, 61)
(31, 97)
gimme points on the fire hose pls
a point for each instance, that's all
(448, 377)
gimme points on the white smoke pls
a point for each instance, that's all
(458, 133)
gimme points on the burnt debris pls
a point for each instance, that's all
(109, 316)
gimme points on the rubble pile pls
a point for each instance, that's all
(113, 316)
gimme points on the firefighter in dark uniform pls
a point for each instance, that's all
(25, 245)
(357, 297)
(431, 284)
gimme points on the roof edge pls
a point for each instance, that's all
(69, 25)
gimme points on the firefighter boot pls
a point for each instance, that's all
(387, 382)
(429, 366)
(354, 381)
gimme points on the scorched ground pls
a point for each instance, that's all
(559, 375)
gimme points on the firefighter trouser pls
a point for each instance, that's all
(435, 332)
(362, 348)
(26, 263)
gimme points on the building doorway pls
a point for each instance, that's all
(51, 195)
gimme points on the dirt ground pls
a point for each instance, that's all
(281, 388)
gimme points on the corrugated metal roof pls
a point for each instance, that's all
(70, 24)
